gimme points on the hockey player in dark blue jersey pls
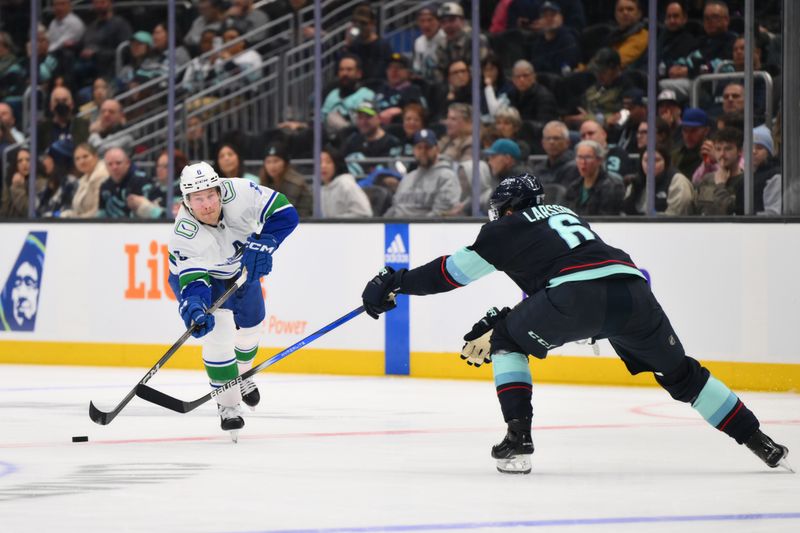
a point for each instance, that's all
(580, 288)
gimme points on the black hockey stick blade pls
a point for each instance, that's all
(105, 417)
(179, 406)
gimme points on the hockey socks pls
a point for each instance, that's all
(219, 373)
(725, 411)
(512, 378)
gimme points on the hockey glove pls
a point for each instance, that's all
(257, 256)
(193, 311)
(378, 295)
(477, 349)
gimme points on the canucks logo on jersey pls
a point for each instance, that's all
(19, 301)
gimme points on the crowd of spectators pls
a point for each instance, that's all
(562, 95)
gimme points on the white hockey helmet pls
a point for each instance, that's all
(198, 177)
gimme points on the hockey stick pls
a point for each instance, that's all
(103, 417)
(179, 406)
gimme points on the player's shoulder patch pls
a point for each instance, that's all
(186, 228)
(228, 191)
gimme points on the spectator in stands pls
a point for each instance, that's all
(767, 197)
(458, 39)
(426, 45)
(200, 71)
(369, 141)
(663, 134)
(152, 202)
(93, 172)
(596, 192)
(101, 91)
(235, 59)
(717, 192)
(554, 48)
(8, 59)
(456, 146)
(196, 139)
(14, 203)
(142, 61)
(674, 192)
(603, 100)
(62, 125)
(248, 17)
(675, 41)
(526, 14)
(230, 165)
(61, 179)
(505, 160)
(670, 111)
(413, 120)
(8, 120)
(340, 104)
(362, 40)
(617, 160)
(507, 125)
(432, 190)
(495, 86)
(66, 29)
(535, 103)
(733, 98)
(341, 196)
(629, 37)
(397, 91)
(212, 13)
(124, 179)
(100, 42)
(559, 167)
(713, 47)
(459, 85)
(624, 135)
(278, 174)
(111, 130)
(160, 49)
(6, 141)
(50, 68)
(694, 130)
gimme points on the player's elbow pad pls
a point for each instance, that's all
(431, 278)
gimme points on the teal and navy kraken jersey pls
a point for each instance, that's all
(539, 247)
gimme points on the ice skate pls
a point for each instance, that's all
(250, 394)
(231, 420)
(772, 453)
(514, 453)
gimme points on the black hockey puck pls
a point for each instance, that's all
(80, 438)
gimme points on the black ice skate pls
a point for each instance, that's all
(250, 394)
(772, 453)
(514, 453)
(231, 420)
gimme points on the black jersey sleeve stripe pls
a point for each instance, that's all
(431, 278)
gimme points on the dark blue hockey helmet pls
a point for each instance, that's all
(515, 193)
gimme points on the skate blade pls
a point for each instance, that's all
(516, 464)
(234, 433)
(783, 463)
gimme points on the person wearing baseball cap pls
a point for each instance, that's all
(458, 39)
(694, 131)
(670, 110)
(431, 38)
(369, 141)
(397, 90)
(554, 48)
(430, 190)
(505, 159)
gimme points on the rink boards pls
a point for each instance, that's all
(96, 294)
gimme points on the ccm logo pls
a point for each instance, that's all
(258, 247)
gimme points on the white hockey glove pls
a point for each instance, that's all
(478, 349)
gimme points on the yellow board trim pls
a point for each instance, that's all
(777, 377)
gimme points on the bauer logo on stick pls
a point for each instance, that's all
(19, 301)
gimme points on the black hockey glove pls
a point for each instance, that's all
(378, 295)
(477, 349)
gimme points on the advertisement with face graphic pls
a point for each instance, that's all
(19, 301)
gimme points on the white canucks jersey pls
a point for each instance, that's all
(199, 252)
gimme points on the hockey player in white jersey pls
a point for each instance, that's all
(226, 224)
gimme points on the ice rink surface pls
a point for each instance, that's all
(363, 454)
